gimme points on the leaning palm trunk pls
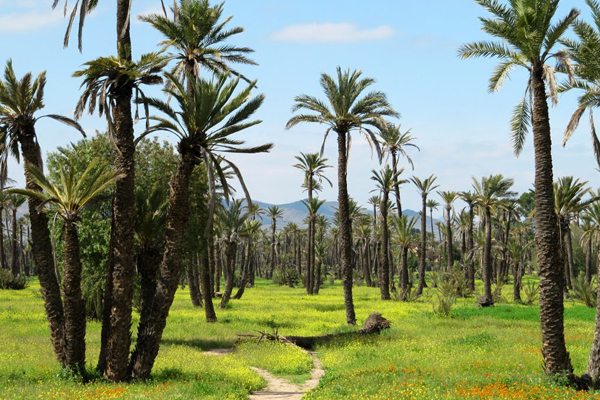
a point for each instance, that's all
(150, 335)
(556, 357)
(245, 271)
(74, 305)
(42, 249)
(345, 228)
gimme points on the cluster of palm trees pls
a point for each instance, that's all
(207, 112)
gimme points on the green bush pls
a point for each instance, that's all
(9, 281)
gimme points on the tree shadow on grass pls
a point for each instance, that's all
(202, 344)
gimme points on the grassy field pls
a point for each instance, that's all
(475, 354)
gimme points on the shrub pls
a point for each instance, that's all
(9, 281)
(531, 293)
(585, 292)
(446, 298)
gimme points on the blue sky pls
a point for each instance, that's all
(409, 47)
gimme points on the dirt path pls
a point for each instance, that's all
(281, 389)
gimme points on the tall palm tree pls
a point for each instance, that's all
(109, 84)
(197, 35)
(491, 192)
(449, 197)
(394, 143)
(20, 102)
(70, 197)
(425, 186)
(275, 213)
(208, 116)
(404, 230)
(115, 342)
(527, 37)
(386, 180)
(348, 110)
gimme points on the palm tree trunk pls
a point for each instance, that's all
(554, 350)
(42, 249)
(487, 261)
(470, 247)
(244, 272)
(194, 289)
(516, 282)
(3, 263)
(230, 254)
(588, 261)
(449, 240)
(149, 337)
(367, 263)
(74, 305)
(594, 360)
(345, 228)
(273, 255)
(423, 249)
(15, 267)
(205, 282)
(384, 280)
(404, 272)
(396, 185)
(107, 300)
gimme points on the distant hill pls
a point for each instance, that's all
(296, 212)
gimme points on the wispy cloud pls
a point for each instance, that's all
(329, 32)
(29, 21)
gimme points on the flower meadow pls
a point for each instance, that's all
(474, 354)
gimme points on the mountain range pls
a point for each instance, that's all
(296, 212)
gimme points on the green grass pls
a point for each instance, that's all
(477, 353)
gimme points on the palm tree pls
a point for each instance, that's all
(471, 199)
(209, 115)
(527, 39)
(312, 205)
(275, 213)
(313, 166)
(569, 202)
(449, 197)
(587, 242)
(346, 112)
(425, 186)
(490, 192)
(584, 52)
(197, 33)
(115, 342)
(404, 230)
(70, 197)
(394, 142)
(231, 221)
(386, 179)
(516, 251)
(20, 101)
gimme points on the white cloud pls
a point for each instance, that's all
(343, 32)
(29, 21)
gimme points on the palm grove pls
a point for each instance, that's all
(94, 261)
